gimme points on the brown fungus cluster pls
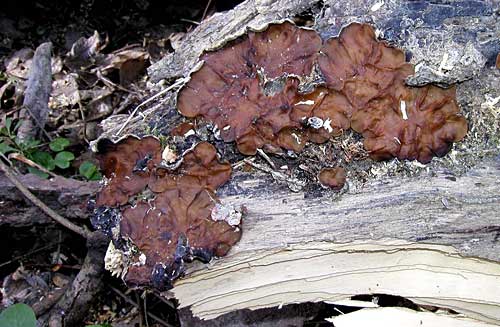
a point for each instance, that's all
(333, 178)
(250, 89)
(166, 215)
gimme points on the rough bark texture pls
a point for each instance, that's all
(68, 197)
(75, 303)
(444, 209)
(455, 28)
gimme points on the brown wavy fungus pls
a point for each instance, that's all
(172, 224)
(365, 89)
(333, 178)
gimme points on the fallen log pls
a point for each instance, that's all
(434, 241)
(432, 238)
(67, 196)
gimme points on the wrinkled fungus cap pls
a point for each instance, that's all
(423, 123)
(230, 88)
(126, 166)
(172, 223)
(362, 67)
(395, 120)
(332, 177)
(250, 90)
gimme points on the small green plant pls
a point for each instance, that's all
(9, 142)
(18, 315)
(56, 157)
(89, 171)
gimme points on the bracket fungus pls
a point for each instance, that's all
(251, 90)
(164, 216)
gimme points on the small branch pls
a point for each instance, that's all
(36, 97)
(79, 296)
(20, 157)
(179, 82)
(48, 211)
(127, 299)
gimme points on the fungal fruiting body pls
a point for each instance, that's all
(162, 216)
(333, 178)
(251, 90)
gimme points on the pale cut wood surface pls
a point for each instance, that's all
(437, 221)
(423, 273)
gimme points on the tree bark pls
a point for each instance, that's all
(68, 197)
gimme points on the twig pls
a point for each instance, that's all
(176, 84)
(5, 158)
(206, 10)
(266, 157)
(110, 84)
(27, 254)
(144, 301)
(167, 302)
(127, 299)
(189, 21)
(20, 157)
(141, 310)
(48, 211)
(79, 296)
(279, 176)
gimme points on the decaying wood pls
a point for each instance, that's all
(82, 231)
(79, 296)
(68, 197)
(219, 28)
(444, 209)
(438, 222)
(425, 274)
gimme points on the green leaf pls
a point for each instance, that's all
(5, 148)
(18, 315)
(27, 146)
(96, 176)
(87, 169)
(8, 124)
(58, 144)
(18, 124)
(44, 159)
(63, 159)
(102, 325)
(38, 172)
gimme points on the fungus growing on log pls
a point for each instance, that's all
(127, 166)
(250, 90)
(395, 120)
(166, 218)
(421, 123)
(333, 178)
(361, 67)
(245, 88)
